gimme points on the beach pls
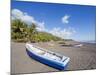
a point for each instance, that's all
(81, 58)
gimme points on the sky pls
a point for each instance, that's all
(67, 21)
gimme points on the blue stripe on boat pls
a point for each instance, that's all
(47, 62)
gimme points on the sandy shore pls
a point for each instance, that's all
(81, 57)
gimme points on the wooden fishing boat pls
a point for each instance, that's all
(49, 58)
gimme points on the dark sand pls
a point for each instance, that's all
(80, 58)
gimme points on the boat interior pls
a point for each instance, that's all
(48, 54)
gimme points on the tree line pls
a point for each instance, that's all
(22, 32)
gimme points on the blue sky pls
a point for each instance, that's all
(66, 21)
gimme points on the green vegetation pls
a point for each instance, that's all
(21, 32)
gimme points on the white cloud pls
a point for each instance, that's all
(65, 19)
(41, 26)
(63, 33)
(17, 14)
(23, 16)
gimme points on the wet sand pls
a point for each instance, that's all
(81, 58)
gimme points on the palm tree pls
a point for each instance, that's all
(18, 29)
(31, 32)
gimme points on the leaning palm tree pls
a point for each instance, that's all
(31, 30)
(18, 29)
